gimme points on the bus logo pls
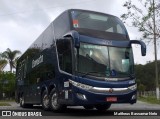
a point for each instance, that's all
(37, 61)
(108, 42)
(110, 90)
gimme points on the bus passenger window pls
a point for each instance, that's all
(65, 55)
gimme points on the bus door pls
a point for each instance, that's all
(65, 57)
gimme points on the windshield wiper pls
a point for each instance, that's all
(90, 73)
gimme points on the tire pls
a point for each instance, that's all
(88, 107)
(53, 100)
(45, 100)
(23, 104)
(103, 107)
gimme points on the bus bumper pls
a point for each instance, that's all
(83, 97)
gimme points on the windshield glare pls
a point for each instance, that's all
(105, 61)
(97, 21)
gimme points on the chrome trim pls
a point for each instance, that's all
(102, 90)
(108, 89)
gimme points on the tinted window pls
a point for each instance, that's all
(95, 58)
(105, 61)
(65, 55)
(97, 21)
(121, 60)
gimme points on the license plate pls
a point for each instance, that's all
(111, 99)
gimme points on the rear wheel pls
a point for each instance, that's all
(88, 107)
(45, 100)
(103, 107)
(22, 103)
(55, 106)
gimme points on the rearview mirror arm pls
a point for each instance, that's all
(143, 46)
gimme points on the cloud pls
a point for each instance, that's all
(22, 21)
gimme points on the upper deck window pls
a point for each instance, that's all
(97, 21)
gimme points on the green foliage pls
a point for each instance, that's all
(152, 100)
(7, 83)
(145, 75)
(11, 56)
(4, 104)
(3, 62)
(141, 87)
(142, 17)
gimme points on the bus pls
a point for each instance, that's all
(83, 58)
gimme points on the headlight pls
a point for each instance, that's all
(80, 85)
(133, 87)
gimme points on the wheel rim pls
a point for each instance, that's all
(22, 101)
(45, 101)
(54, 101)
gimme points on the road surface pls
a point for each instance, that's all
(79, 112)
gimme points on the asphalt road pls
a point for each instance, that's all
(80, 112)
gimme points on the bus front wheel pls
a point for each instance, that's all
(55, 106)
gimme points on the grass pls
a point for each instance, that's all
(7, 100)
(151, 100)
(4, 104)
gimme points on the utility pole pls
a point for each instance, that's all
(155, 51)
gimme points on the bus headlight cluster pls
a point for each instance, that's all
(80, 85)
(133, 87)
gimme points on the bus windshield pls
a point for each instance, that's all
(105, 61)
(97, 21)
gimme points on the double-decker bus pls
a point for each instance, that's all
(83, 58)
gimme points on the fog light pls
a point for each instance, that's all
(134, 97)
(81, 96)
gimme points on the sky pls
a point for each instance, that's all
(22, 21)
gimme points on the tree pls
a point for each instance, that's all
(7, 84)
(147, 20)
(145, 75)
(143, 18)
(11, 56)
(3, 62)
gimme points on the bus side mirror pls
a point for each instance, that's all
(75, 36)
(143, 46)
(77, 44)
